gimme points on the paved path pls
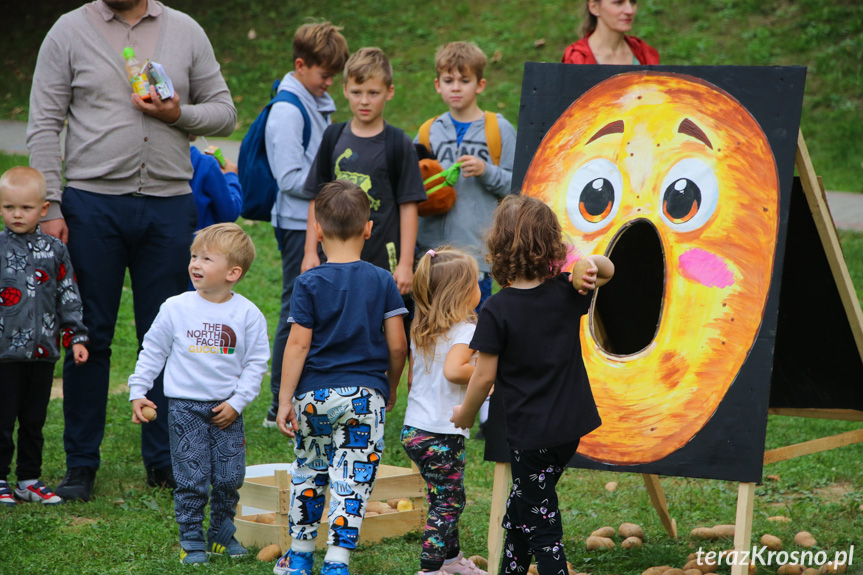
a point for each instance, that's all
(847, 208)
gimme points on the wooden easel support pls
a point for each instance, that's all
(657, 497)
(499, 494)
(743, 525)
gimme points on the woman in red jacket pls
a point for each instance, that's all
(605, 39)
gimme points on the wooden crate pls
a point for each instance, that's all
(272, 493)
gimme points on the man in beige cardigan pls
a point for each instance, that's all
(127, 203)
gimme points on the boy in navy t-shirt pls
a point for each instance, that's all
(343, 361)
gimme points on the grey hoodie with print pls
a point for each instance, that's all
(40, 306)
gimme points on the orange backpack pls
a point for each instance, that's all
(442, 198)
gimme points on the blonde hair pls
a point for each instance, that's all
(463, 57)
(525, 241)
(443, 288)
(368, 63)
(321, 44)
(23, 176)
(230, 240)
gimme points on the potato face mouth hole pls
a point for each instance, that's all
(627, 311)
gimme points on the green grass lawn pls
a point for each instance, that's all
(130, 528)
(252, 40)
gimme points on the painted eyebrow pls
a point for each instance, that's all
(615, 127)
(689, 128)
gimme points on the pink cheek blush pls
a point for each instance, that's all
(706, 268)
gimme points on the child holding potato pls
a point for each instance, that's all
(446, 292)
(213, 346)
(528, 341)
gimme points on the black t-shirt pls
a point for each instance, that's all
(363, 161)
(540, 371)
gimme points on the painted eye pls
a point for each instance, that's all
(690, 193)
(593, 196)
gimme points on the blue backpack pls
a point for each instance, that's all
(256, 180)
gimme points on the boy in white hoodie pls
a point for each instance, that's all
(215, 344)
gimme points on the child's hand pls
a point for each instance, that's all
(471, 166)
(230, 167)
(392, 401)
(584, 275)
(404, 276)
(459, 419)
(224, 416)
(286, 419)
(310, 261)
(79, 351)
(137, 404)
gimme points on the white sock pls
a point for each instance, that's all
(303, 545)
(26, 483)
(338, 555)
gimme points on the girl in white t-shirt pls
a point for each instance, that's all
(445, 292)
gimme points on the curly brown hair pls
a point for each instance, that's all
(525, 241)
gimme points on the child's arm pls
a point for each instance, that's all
(70, 311)
(480, 384)
(408, 224)
(296, 350)
(457, 367)
(591, 272)
(254, 366)
(154, 353)
(310, 251)
(394, 332)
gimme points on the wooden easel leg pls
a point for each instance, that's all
(743, 525)
(657, 497)
(499, 494)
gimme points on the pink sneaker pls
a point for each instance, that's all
(462, 566)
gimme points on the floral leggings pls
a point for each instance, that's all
(441, 461)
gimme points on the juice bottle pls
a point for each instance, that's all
(137, 76)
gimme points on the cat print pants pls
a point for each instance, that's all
(532, 521)
(338, 446)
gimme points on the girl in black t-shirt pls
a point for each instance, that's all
(528, 342)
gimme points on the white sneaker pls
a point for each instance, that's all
(37, 492)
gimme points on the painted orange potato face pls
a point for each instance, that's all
(675, 181)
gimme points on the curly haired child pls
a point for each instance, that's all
(528, 341)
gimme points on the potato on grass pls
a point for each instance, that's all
(479, 561)
(606, 531)
(269, 553)
(772, 542)
(703, 533)
(790, 569)
(704, 567)
(594, 543)
(631, 543)
(724, 531)
(831, 567)
(804, 539)
(673, 571)
(810, 571)
(692, 571)
(779, 519)
(630, 530)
